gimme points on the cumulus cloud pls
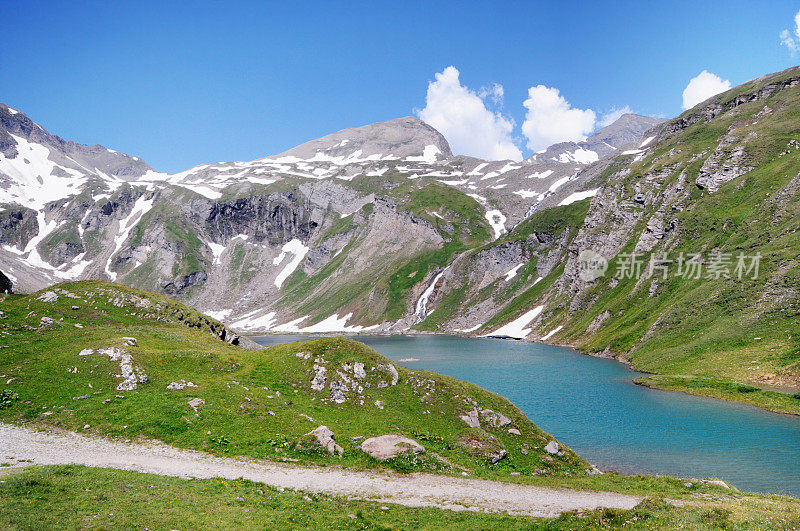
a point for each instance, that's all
(613, 115)
(702, 87)
(460, 114)
(792, 40)
(551, 119)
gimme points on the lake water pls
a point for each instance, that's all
(592, 405)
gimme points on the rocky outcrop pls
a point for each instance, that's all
(321, 438)
(389, 446)
(725, 164)
(708, 110)
(487, 447)
(17, 226)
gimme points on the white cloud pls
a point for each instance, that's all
(702, 87)
(792, 42)
(494, 92)
(462, 117)
(613, 115)
(550, 119)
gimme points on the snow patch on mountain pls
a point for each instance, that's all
(578, 196)
(517, 328)
(429, 155)
(513, 272)
(498, 222)
(32, 182)
(299, 251)
(141, 207)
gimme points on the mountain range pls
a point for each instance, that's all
(383, 228)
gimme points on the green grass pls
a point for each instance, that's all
(59, 497)
(724, 389)
(255, 401)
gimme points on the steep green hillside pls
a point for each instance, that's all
(477, 290)
(721, 180)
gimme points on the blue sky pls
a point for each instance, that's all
(185, 83)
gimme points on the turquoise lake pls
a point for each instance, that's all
(593, 406)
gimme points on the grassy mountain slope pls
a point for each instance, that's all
(723, 177)
(256, 403)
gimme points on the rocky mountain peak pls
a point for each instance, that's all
(18, 133)
(400, 138)
(626, 129)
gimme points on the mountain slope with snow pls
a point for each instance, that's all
(357, 223)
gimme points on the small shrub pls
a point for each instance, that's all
(746, 388)
(220, 441)
(7, 398)
(796, 396)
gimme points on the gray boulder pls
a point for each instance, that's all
(321, 437)
(552, 448)
(385, 447)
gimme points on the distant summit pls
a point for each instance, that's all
(627, 129)
(401, 138)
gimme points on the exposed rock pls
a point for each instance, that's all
(497, 420)
(594, 471)
(385, 447)
(131, 376)
(338, 390)
(195, 403)
(717, 482)
(471, 419)
(392, 370)
(514, 431)
(183, 283)
(318, 382)
(486, 448)
(552, 448)
(129, 341)
(322, 437)
(48, 296)
(177, 386)
(723, 165)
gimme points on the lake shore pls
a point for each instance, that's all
(784, 401)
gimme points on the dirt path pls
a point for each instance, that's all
(19, 444)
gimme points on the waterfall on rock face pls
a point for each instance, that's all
(422, 304)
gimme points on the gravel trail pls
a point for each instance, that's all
(416, 490)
